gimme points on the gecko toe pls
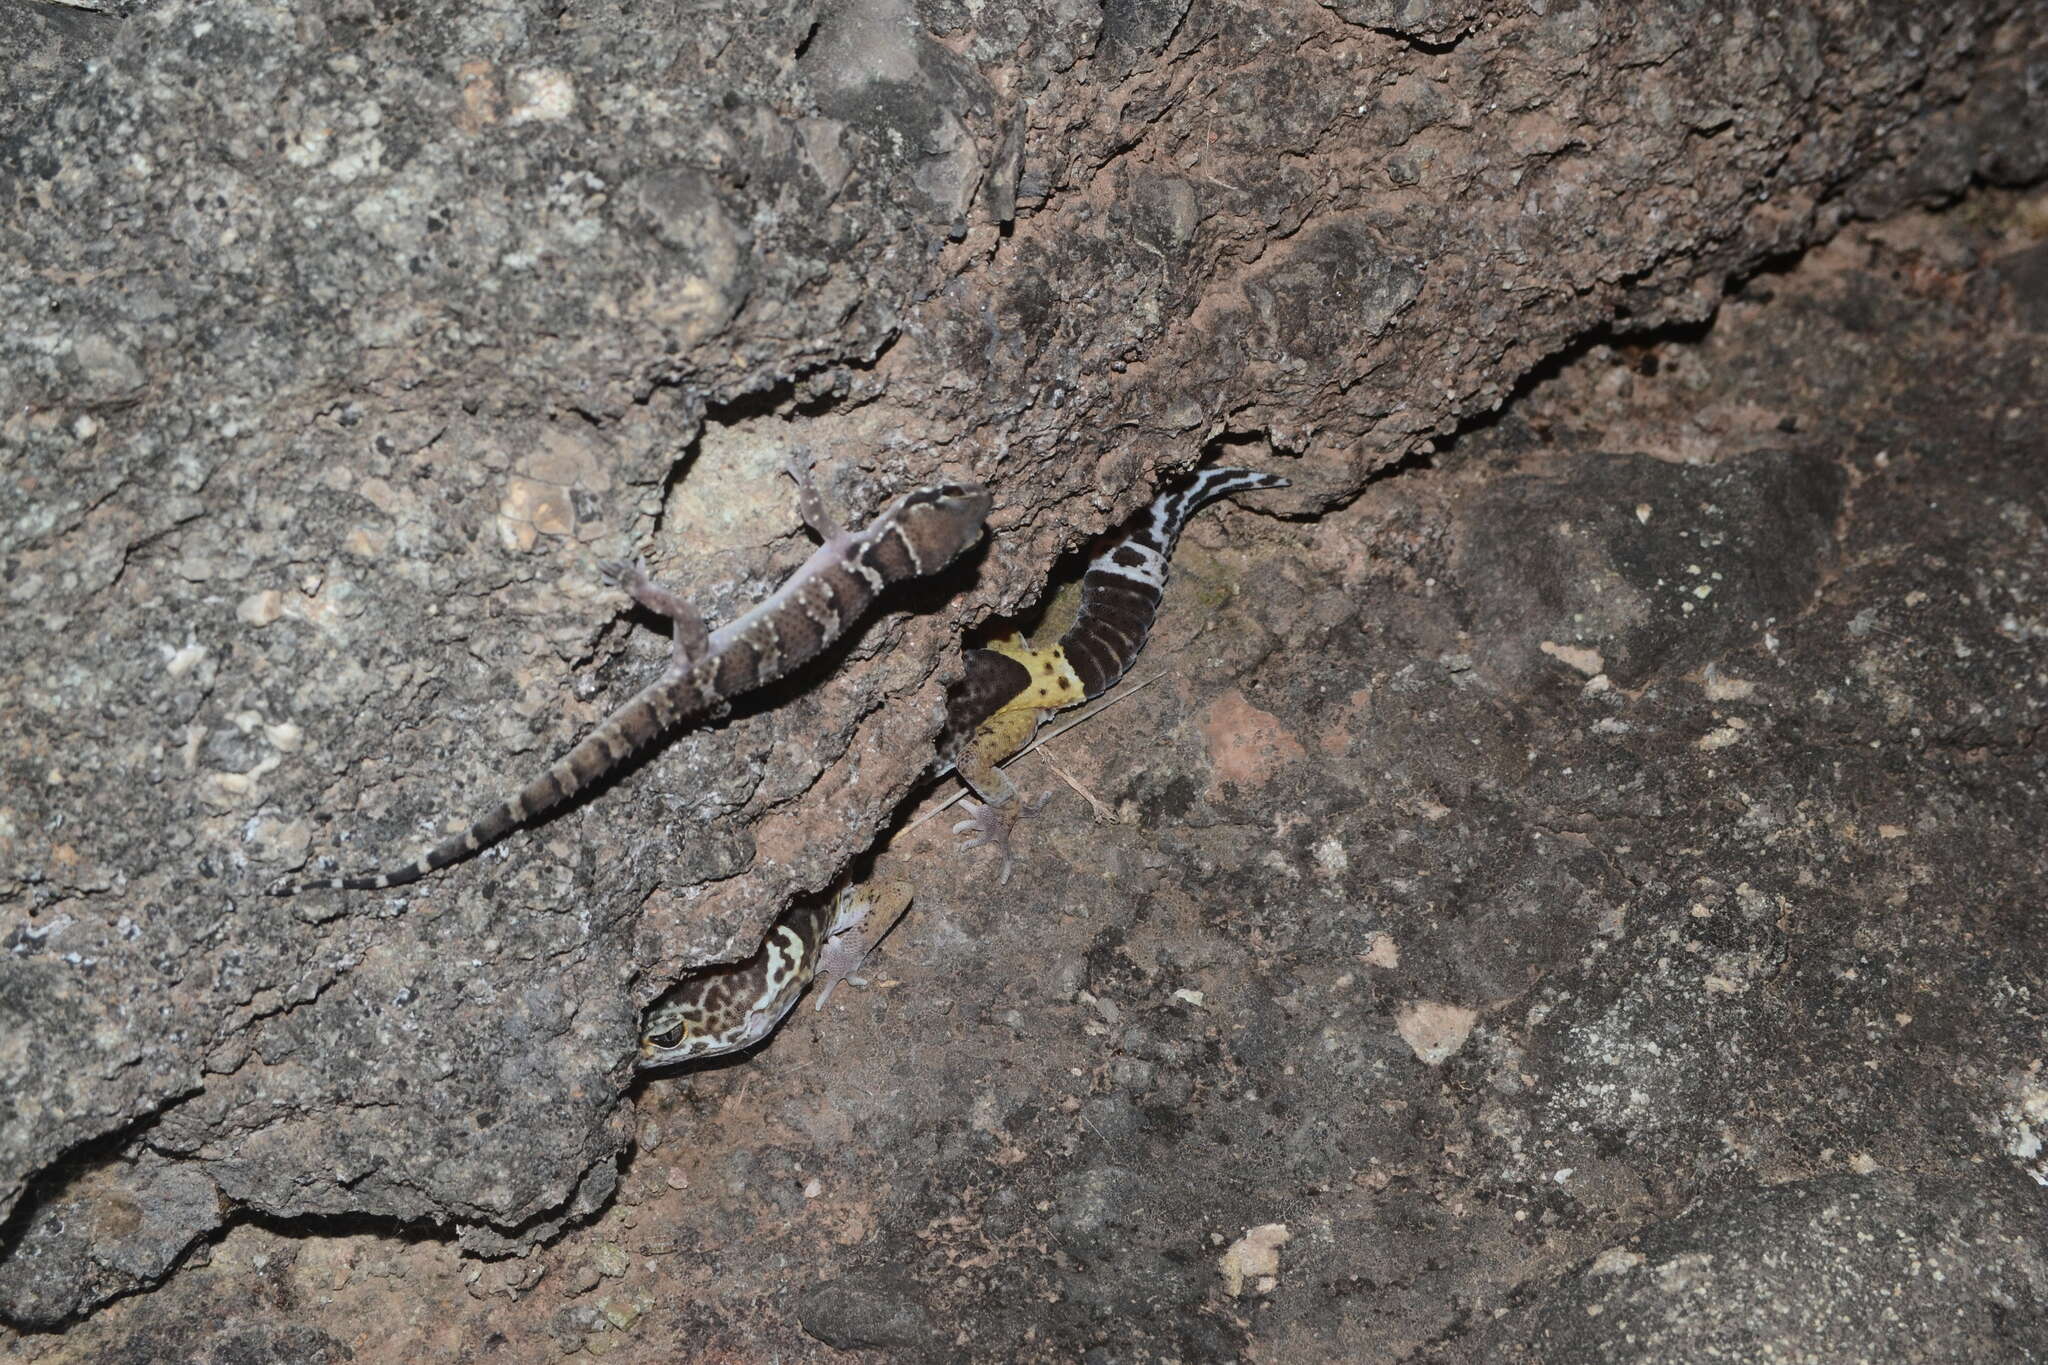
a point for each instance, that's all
(986, 827)
(982, 825)
(623, 573)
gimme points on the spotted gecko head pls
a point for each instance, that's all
(728, 1009)
(695, 1019)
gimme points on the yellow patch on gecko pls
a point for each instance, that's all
(1054, 684)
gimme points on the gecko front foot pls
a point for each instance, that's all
(809, 504)
(860, 917)
(992, 825)
(617, 571)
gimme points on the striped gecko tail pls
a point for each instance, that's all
(1171, 511)
(1120, 592)
(597, 753)
(484, 832)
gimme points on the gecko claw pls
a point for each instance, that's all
(623, 573)
(988, 827)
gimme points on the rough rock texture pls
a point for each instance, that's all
(1874, 1259)
(43, 47)
(1424, 1001)
(350, 338)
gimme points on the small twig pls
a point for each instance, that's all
(1047, 738)
(1103, 814)
(1087, 716)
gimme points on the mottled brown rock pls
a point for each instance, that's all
(307, 297)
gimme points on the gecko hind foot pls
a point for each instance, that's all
(988, 826)
(691, 639)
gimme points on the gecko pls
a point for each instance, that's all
(1010, 687)
(730, 1008)
(917, 534)
(991, 714)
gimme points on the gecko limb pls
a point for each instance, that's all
(690, 639)
(917, 534)
(809, 504)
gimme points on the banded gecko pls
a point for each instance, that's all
(731, 1008)
(919, 533)
(1009, 688)
(991, 714)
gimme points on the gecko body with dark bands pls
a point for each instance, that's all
(917, 534)
(1008, 688)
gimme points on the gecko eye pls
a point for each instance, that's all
(666, 1040)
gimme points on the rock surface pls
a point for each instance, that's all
(1624, 803)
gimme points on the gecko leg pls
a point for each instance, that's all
(809, 505)
(996, 805)
(861, 916)
(690, 640)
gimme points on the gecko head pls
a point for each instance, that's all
(696, 1019)
(940, 521)
(665, 1041)
(729, 1008)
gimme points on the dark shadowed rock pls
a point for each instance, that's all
(1656, 567)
